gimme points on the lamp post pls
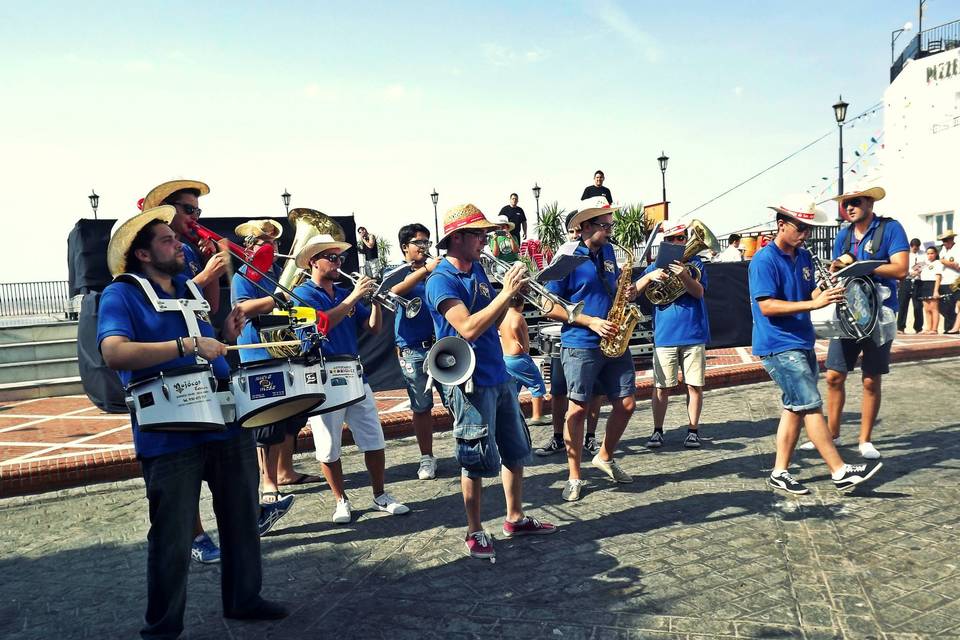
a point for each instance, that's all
(896, 34)
(436, 226)
(663, 173)
(840, 113)
(536, 196)
(286, 200)
(94, 202)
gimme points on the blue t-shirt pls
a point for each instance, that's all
(343, 338)
(684, 321)
(583, 284)
(241, 290)
(774, 274)
(473, 289)
(125, 311)
(894, 241)
(418, 329)
(194, 264)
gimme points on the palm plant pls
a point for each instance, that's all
(550, 230)
(383, 252)
(631, 226)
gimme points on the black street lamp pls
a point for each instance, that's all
(436, 226)
(896, 34)
(840, 113)
(94, 202)
(286, 200)
(536, 196)
(663, 173)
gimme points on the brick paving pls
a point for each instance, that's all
(52, 443)
(696, 547)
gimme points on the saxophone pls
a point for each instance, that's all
(623, 313)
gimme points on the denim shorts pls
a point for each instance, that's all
(489, 429)
(522, 369)
(411, 365)
(796, 373)
(590, 373)
(842, 356)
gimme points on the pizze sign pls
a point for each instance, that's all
(943, 70)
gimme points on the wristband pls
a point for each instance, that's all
(180, 346)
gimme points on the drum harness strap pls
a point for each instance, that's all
(877, 234)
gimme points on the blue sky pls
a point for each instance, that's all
(366, 107)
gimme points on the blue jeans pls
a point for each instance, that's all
(589, 372)
(525, 372)
(489, 430)
(796, 373)
(411, 365)
(173, 488)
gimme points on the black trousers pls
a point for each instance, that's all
(907, 292)
(948, 307)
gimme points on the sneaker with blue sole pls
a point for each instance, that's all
(204, 551)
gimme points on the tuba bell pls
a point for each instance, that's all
(699, 238)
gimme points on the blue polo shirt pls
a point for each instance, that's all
(125, 311)
(242, 290)
(474, 290)
(774, 274)
(194, 264)
(343, 339)
(583, 284)
(418, 329)
(894, 241)
(684, 321)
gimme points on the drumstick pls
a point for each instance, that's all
(261, 345)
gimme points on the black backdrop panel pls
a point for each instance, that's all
(728, 305)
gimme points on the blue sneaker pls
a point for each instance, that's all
(272, 512)
(204, 551)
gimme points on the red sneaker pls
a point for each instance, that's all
(480, 545)
(527, 527)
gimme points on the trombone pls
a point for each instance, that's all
(534, 292)
(388, 299)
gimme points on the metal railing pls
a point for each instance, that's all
(927, 43)
(49, 297)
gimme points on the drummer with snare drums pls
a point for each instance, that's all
(140, 341)
(347, 316)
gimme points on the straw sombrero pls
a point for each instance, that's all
(874, 193)
(162, 191)
(946, 234)
(124, 231)
(802, 209)
(504, 220)
(461, 218)
(318, 244)
(259, 228)
(589, 209)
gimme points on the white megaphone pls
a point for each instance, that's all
(450, 362)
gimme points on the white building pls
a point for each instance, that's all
(921, 153)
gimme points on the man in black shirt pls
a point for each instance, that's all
(515, 215)
(597, 189)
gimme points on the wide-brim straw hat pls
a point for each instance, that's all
(589, 209)
(504, 220)
(874, 193)
(946, 234)
(259, 229)
(162, 191)
(318, 244)
(803, 209)
(461, 218)
(124, 231)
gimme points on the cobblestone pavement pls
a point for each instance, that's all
(696, 547)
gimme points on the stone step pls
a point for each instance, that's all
(38, 332)
(31, 389)
(39, 370)
(42, 350)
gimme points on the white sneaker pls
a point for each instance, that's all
(428, 468)
(386, 502)
(868, 451)
(342, 513)
(809, 446)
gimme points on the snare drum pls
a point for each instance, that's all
(182, 399)
(344, 385)
(268, 391)
(863, 301)
(548, 339)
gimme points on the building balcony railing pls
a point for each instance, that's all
(927, 43)
(50, 297)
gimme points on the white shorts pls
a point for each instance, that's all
(666, 365)
(361, 418)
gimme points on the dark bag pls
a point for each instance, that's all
(100, 383)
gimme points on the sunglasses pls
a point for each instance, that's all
(606, 226)
(188, 209)
(799, 226)
(677, 239)
(330, 257)
(853, 202)
(475, 234)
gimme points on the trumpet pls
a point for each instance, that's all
(388, 299)
(534, 292)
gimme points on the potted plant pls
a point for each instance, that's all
(550, 231)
